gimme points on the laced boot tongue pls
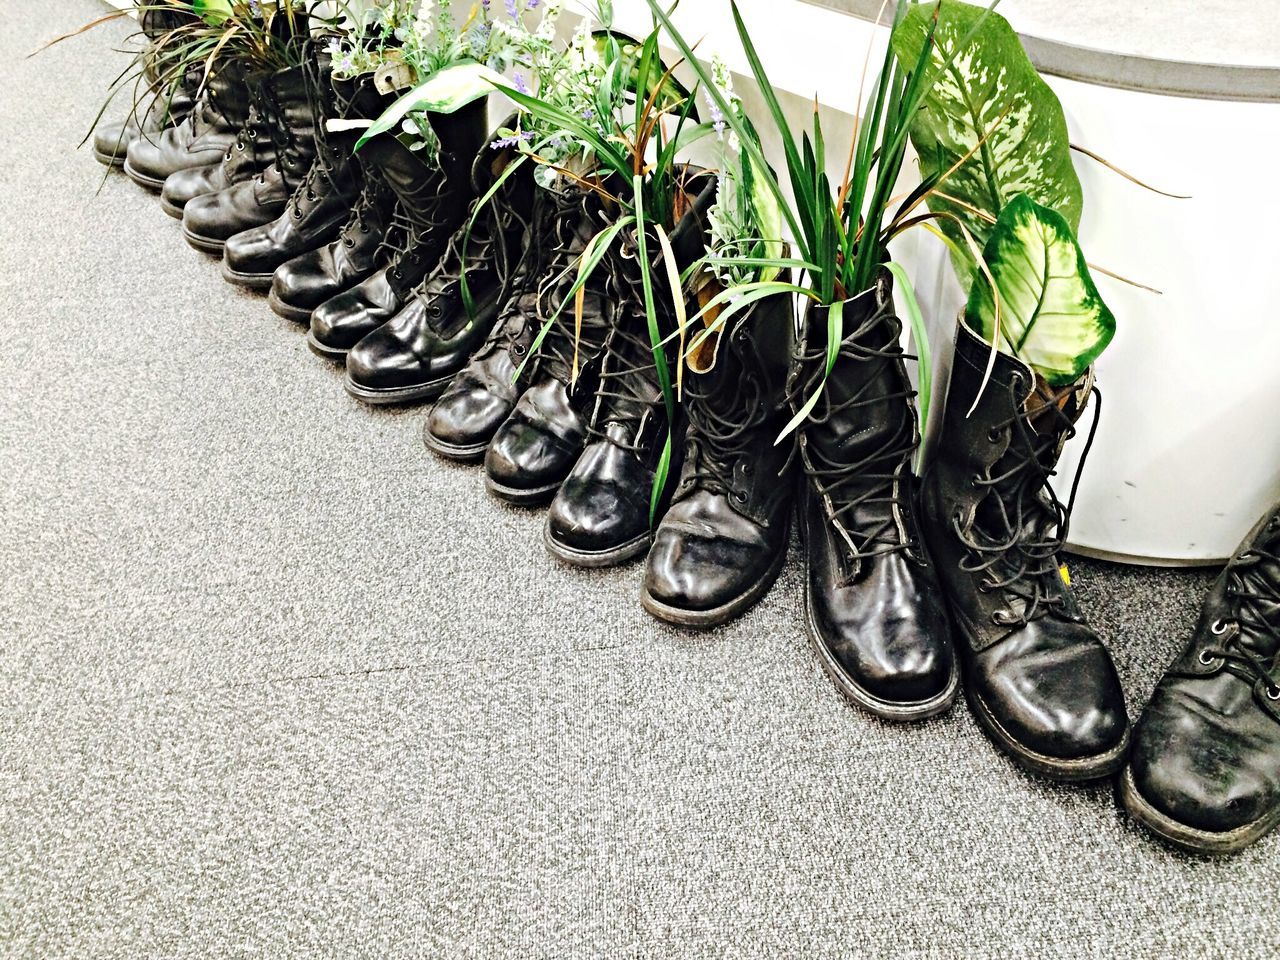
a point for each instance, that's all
(1255, 590)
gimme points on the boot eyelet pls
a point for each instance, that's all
(1218, 627)
(986, 585)
(1273, 693)
(740, 497)
(993, 435)
(1206, 658)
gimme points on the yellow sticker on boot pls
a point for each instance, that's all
(1066, 574)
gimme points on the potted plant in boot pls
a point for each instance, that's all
(424, 146)
(359, 60)
(873, 601)
(275, 39)
(630, 129)
(1037, 677)
(723, 540)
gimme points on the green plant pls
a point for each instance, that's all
(992, 137)
(840, 234)
(1051, 315)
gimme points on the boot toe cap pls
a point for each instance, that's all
(380, 361)
(688, 570)
(523, 457)
(183, 186)
(303, 281)
(595, 517)
(464, 418)
(252, 251)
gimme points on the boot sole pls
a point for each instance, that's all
(595, 559)
(468, 454)
(1072, 770)
(705, 619)
(203, 244)
(1207, 842)
(394, 395)
(147, 183)
(171, 208)
(884, 709)
(254, 281)
(288, 311)
(331, 354)
(521, 497)
(108, 159)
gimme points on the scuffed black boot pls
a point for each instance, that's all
(209, 130)
(1204, 772)
(251, 154)
(320, 203)
(415, 354)
(723, 541)
(873, 605)
(534, 449)
(481, 397)
(1037, 677)
(601, 515)
(433, 197)
(208, 221)
(300, 285)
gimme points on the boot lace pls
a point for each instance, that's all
(1024, 524)
(1255, 599)
(628, 386)
(877, 476)
(721, 435)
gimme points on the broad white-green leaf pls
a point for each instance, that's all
(445, 91)
(766, 212)
(1052, 317)
(990, 89)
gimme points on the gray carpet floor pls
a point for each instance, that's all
(275, 682)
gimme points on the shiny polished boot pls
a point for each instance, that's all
(1038, 679)
(168, 98)
(1204, 772)
(602, 515)
(414, 355)
(481, 397)
(321, 203)
(209, 130)
(537, 445)
(873, 605)
(251, 154)
(301, 284)
(433, 197)
(723, 540)
(208, 221)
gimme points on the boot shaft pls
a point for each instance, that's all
(857, 441)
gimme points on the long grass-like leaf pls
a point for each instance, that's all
(920, 334)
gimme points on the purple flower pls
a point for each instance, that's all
(503, 142)
(532, 4)
(512, 10)
(521, 85)
(335, 46)
(588, 114)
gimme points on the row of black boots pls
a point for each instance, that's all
(403, 272)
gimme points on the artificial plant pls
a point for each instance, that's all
(993, 137)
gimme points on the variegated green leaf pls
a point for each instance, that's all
(446, 91)
(990, 89)
(1051, 315)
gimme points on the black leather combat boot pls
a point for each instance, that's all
(1204, 772)
(253, 151)
(601, 515)
(873, 606)
(433, 198)
(209, 130)
(1037, 677)
(537, 445)
(321, 202)
(415, 354)
(168, 98)
(300, 285)
(480, 398)
(209, 220)
(723, 541)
